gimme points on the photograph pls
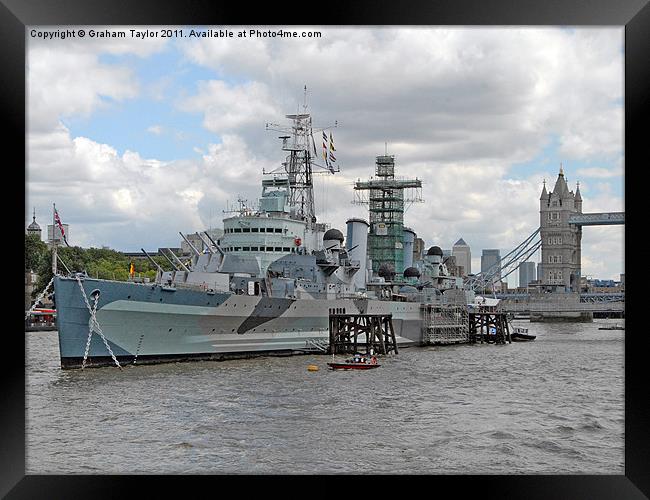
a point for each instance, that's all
(388, 246)
(226, 225)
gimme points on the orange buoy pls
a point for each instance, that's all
(312, 368)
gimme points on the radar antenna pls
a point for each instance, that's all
(298, 141)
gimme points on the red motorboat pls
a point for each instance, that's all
(356, 363)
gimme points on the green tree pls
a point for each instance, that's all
(102, 263)
(35, 252)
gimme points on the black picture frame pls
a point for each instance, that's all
(15, 15)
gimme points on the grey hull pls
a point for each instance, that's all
(145, 323)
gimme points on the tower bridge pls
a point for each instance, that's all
(597, 219)
(561, 223)
(559, 237)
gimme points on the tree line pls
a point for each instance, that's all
(102, 263)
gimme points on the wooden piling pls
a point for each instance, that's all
(480, 324)
(344, 331)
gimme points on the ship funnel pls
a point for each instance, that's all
(357, 246)
(409, 239)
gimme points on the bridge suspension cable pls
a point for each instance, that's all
(508, 263)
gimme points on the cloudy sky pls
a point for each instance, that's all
(136, 139)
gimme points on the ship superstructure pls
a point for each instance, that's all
(285, 220)
(267, 286)
(386, 197)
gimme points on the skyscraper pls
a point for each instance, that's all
(418, 249)
(463, 255)
(526, 273)
(54, 234)
(490, 260)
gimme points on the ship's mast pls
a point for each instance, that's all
(299, 169)
(54, 241)
(298, 142)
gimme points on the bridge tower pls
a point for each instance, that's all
(561, 241)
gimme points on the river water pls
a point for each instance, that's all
(551, 406)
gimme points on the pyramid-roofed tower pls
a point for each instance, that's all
(463, 255)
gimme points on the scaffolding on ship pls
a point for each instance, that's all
(444, 323)
(386, 199)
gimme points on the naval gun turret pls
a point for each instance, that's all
(434, 271)
(326, 272)
(334, 257)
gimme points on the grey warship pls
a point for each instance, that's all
(266, 287)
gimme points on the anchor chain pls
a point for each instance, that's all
(93, 326)
(38, 299)
(90, 330)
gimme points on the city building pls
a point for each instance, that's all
(490, 260)
(601, 286)
(30, 276)
(527, 274)
(54, 234)
(418, 249)
(198, 242)
(194, 240)
(463, 255)
(34, 228)
(561, 255)
(452, 264)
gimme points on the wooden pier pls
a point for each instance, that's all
(344, 330)
(481, 324)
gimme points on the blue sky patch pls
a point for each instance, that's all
(150, 123)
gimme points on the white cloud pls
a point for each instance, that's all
(599, 172)
(67, 78)
(56, 89)
(229, 107)
(155, 129)
(127, 201)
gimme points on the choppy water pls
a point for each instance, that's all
(551, 406)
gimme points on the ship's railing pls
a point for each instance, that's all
(317, 344)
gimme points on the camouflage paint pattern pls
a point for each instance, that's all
(146, 322)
